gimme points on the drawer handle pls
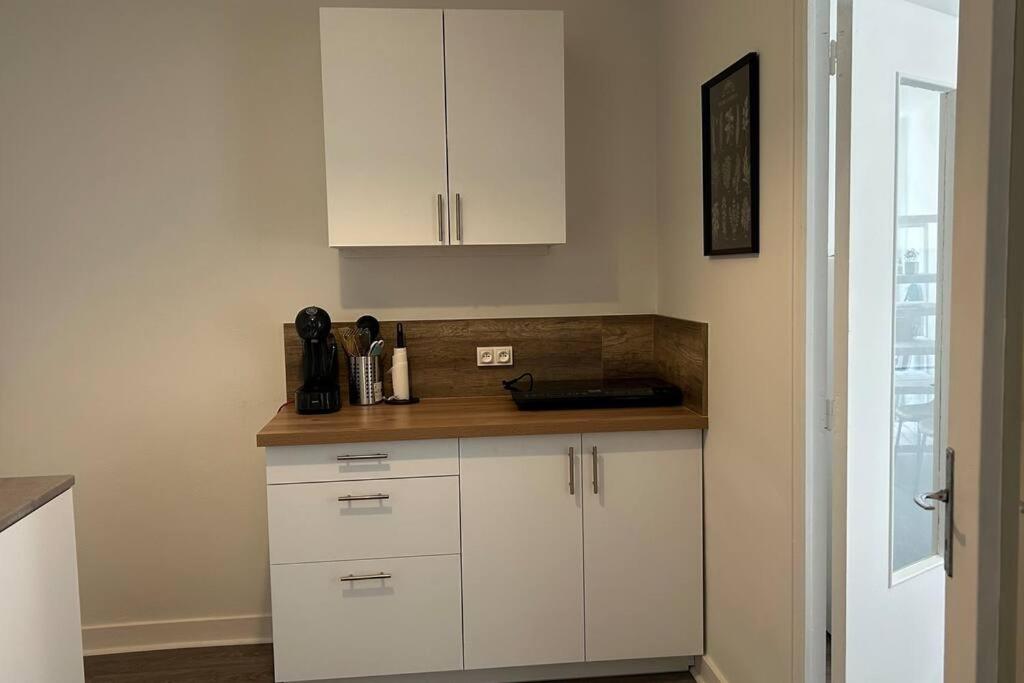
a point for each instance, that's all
(365, 456)
(370, 496)
(593, 454)
(380, 576)
(572, 471)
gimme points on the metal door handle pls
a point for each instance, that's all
(364, 456)
(380, 576)
(440, 219)
(942, 495)
(572, 471)
(371, 496)
(458, 217)
(593, 455)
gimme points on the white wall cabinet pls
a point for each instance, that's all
(643, 544)
(384, 127)
(522, 551)
(443, 127)
(506, 126)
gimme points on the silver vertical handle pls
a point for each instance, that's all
(458, 217)
(440, 219)
(593, 455)
(572, 471)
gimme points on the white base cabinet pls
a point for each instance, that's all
(40, 622)
(643, 558)
(331, 619)
(486, 554)
(522, 551)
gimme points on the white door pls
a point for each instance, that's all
(522, 550)
(979, 343)
(895, 125)
(506, 126)
(643, 561)
(384, 126)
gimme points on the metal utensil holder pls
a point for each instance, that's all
(365, 381)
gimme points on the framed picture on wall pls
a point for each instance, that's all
(729, 108)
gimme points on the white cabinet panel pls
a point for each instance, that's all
(40, 623)
(522, 551)
(378, 460)
(325, 627)
(643, 544)
(506, 126)
(361, 519)
(384, 125)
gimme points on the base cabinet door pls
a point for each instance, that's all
(643, 544)
(522, 550)
(366, 617)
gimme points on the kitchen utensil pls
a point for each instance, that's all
(376, 348)
(348, 341)
(363, 340)
(368, 322)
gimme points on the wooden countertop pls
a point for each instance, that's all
(21, 496)
(440, 418)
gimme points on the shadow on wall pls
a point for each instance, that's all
(478, 276)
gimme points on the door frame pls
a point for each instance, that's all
(987, 28)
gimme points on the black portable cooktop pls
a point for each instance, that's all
(619, 393)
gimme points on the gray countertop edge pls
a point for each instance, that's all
(21, 496)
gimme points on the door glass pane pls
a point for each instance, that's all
(923, 139)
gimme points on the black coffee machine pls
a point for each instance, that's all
(319, 392)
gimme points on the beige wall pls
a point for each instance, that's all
(162, 212)
(748, 303)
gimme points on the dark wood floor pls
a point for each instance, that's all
(232, 665)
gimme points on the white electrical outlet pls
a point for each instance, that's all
(484, 355)
(503, 355)
(493, 356)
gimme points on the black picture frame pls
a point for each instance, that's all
(731, 159)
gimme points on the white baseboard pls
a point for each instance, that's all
(706, 671)
(138, 636)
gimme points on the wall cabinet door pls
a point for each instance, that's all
(643, 544)
(506, 126)
(384, 126)
(522, 550)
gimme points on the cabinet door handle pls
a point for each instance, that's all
(364, 456)
(379, 576)
(440, 219)
(371, 496)
(593, 455)
(572, 471)
(458, 217)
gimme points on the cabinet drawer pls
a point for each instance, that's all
(363, 519)
(325, 627)
(345, 462)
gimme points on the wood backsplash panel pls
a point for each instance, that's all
(627, 346)
(442, 353)
(681, 355)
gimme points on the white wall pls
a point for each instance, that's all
(749, 305)
(162, 212)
